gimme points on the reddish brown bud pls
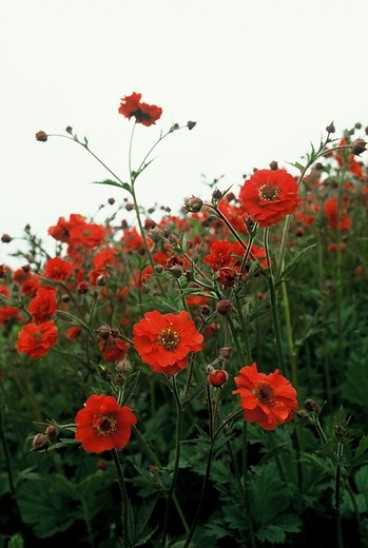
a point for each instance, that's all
(193, 204)
(111, 201)
(223, 307)
(358, 146)
(83, 287)
(5, 238)
(104, 331)
(330, 128)
(274, 165)
(41, 136)
(40, 442)
(191, 125)
(226, 352)
(217, 378)
(51, 431)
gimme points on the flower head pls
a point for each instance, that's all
(35, 340)
(165, 340)
(102, 425)
(267, 399)
(143, 113)
(269, 195)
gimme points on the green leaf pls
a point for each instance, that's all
(111, 182)
(295, 260)
(44, 505)
(16, 541)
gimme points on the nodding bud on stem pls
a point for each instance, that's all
(223, 307)
(358, 146)
(330, 128)
(5, 238)
(217, 378)
(41, 136)
(274, 165)
(40, 442)
(193, 204)
(191, 125)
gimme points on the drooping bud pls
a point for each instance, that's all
(193, 204)
(41, 136)
(226, 352)
(358, 146)
(330, 128)
(223, 307)
(191, 125)
(40, 442)
(6, 239)
(217, 378)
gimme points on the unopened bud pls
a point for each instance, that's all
(6, 239)
(101, 280)
(191, 125)
(358, 146)
(226, 352)
(274, 165)
(223, 307)
(217, 378)
(330, 128)
(193, 204)
(51, 431)
(40, 442)
(217, 194)
(104, 331)
(41, 136)
(111, 201)
(176, 271)
(312, 406)
(69, 130)
(82, 287)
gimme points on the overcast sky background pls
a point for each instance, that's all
(261, 78)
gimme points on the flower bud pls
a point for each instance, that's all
(193, 204)
(330, 128)
(312, 406)
(223, 307)
(274, 165)
(6, 239)
(40, 442)
(217, 378)
(191, 125)
(101, 280)
(111, 201)
(226, 352)
(358, 146)
(82, 287)
(104, 331)
(51, 431)
(41, 136)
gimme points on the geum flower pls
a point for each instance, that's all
(143, 113)
(35, 340)
(164, 340)
(103, 425)
(267, 399)
(269, 195)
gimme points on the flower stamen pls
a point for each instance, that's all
(264, 393)
(168, 338)
(268, 191)
(105, 425)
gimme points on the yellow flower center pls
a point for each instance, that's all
(168, 338)
(105, 425)
(264, 393)
(269, 192)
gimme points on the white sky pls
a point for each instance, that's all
(262, 78)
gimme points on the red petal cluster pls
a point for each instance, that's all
(143, 113)
(165, 340)
(35, 340)
(269, 195)
(267, 399)
(103, 425)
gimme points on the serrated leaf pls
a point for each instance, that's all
(111, 182)
(295, 260)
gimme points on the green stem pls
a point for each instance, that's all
(124, 499)
(273, 301)
(178, 434)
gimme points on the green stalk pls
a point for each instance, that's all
(124, 499)
(273, 301)
(178, 434)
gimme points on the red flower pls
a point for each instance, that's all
(43, 305)
(58, 269)
(217, 378)
(337, 217)
(269, 195)
(35, 340)
(9, 314)
(73, 332)
(143, 113)
(113, 349)
(165, 340)
(102, 425)
(267, 399)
